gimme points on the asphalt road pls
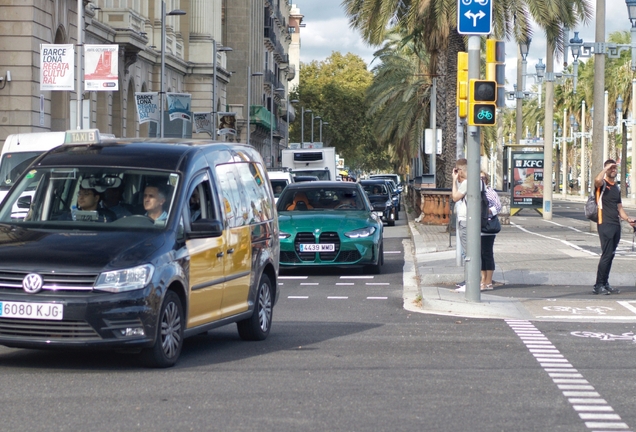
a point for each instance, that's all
(343, 355)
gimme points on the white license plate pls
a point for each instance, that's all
(312, 247)
(42, 311)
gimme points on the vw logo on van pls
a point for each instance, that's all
(32, 283)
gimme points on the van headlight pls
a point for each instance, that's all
(125, 280)
(359, 233)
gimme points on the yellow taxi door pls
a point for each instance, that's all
(238, 271)
(207, 262)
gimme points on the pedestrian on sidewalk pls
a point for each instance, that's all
(610, 213)
(460, 188)
(488, 240)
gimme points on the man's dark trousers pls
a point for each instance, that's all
(610, 236)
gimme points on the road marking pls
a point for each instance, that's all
(293, 277)
(580, 393)
(356, 277)
(627, 305)
(377, 283)
(345, 283)
(297, 297)
(309, 283)
(565, 242)
(377, 298)
(392, 252)
(337, 297)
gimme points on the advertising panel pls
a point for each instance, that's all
(56, 67)
(202, 122)
(527, 175)
(100, 67)
(179, 106)
(147, 106)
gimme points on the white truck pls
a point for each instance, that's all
(319, 162)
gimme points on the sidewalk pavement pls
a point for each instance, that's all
(545, 270)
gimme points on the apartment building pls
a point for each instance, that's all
(256, 31)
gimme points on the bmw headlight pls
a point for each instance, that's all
(125, 280)
(283, 235)
(359, 233)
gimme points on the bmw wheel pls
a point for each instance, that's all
(257, 327)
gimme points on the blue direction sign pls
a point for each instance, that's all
(474, 17)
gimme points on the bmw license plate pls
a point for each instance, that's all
(313, 247)
(41, 311)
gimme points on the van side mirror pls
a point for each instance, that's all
(205, 228)
(24, 202)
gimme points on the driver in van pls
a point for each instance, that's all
(154, 199)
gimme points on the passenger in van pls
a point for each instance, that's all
(195, 206)
(88, 200)
(154, 199)
(112, 200)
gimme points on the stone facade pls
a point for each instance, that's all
(256, 30)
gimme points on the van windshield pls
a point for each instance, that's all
(91, 197)
(12, 165)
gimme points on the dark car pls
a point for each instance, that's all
(195, 248)
(396, 197)
(305, 178)
(381, 199)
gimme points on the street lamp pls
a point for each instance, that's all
(302, 125)
(289, 104)
(524, 46)
(271, 126)
(215, 49)
(249, 92)
(163, 59)
(312, 125)
(322, 123)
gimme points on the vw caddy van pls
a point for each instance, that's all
(136, 244)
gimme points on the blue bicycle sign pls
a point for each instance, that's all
(484, 114)
(474, 17)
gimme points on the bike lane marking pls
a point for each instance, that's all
(598, 310)
(595, 412)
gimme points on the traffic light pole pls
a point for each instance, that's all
(472, 267)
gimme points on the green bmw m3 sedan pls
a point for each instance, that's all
(328, 223)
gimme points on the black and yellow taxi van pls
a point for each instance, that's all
(136, 244)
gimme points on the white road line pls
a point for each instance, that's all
(392, 252)
(337, 297)
(565, 242)
(345, 283)
(356, 277)
(627, 305)
(377, 298)
(297, 297)
(309, 283)
(587, 402)
(293, 277)
(377, 283)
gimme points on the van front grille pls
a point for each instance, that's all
(54, 330)
(51, 281)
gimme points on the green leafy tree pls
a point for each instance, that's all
(335, 89)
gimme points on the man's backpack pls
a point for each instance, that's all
(591, 206)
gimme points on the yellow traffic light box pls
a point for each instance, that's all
(482, 110)
(462, 83)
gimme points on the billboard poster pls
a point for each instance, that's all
(147, 104)
(179, 106)
(202, 122)
(227, 123)
(56, 67)
(527, 175)
(100, 67)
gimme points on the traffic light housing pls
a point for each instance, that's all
(496, 68)
(462, 84)
(482, 110)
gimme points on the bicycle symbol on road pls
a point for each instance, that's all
(598, 310)
(484, 114)
(629, 336)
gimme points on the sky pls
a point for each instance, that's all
(327, 30)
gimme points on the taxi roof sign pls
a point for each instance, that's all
(82, 136)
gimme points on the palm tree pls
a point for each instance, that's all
(433, 23)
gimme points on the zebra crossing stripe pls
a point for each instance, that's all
(596, 413)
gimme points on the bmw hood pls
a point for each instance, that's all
(75, 251)
(324, 221)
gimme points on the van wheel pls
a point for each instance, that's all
(257, 327)
(169, 340)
